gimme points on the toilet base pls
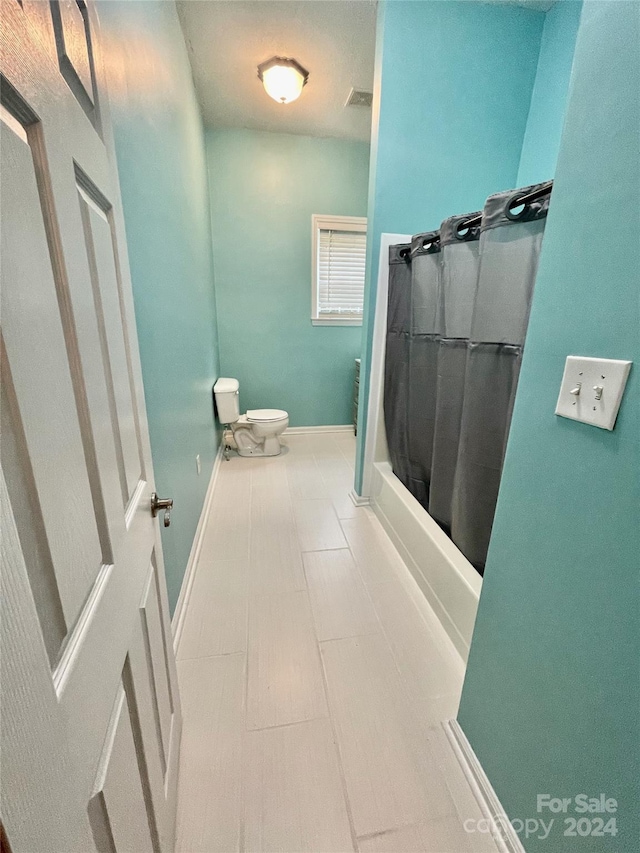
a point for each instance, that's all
(246, 443)
(261, 450)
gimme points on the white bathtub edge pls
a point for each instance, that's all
(447, 579)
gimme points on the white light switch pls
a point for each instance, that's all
(592, 389)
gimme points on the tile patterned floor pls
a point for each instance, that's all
(314, 675)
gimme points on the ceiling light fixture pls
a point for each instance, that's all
(282, 78)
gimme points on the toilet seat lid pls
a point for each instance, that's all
(260, 415)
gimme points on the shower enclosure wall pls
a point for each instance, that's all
(458, 307)
(462, 109)
(451, 318)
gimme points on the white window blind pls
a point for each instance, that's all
(341, 265)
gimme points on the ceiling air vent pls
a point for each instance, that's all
(359, 98)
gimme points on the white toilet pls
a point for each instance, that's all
(254, 434)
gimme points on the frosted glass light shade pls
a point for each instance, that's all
(282, 78)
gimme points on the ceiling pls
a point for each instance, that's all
(335, 41)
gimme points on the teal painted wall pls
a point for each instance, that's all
(548, 101)
(161, 161)
(264, 188)
(454, 83)
(552, 691)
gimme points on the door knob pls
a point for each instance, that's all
(158, 504)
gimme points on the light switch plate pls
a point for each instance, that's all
(592, 390)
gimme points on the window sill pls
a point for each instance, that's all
(336, 321)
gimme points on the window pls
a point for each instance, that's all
(337, 278)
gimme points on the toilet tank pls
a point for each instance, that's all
(226, 394)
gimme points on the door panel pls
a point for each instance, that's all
(101, 257)
(74, 50)
(154, 635)
(118, 807)
(14, 458)
(34, 819)
(90, 712)
(71, 38)
(43, 389)
(142, 686)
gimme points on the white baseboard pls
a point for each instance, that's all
(302, 430)
(447, 579)
(358, 500)
(506, 838)
(177, 623)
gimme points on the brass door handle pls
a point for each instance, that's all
(158, 504)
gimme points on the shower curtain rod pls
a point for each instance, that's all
(516, 201)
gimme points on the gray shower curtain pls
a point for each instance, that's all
(509, 252)
(413, 335)
(424, 337)
(460, 264)
(396, 373)
(457, 317)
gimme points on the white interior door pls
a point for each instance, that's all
(90, 712)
